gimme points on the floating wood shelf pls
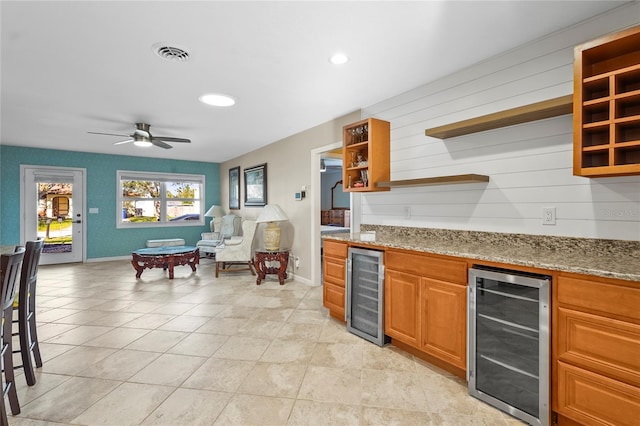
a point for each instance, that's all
(438, 180)
(538, 111)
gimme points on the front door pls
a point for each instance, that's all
(53, 208)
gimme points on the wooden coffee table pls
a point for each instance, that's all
(165, 258)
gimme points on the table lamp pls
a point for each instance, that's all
(271, 214)
(214, 211)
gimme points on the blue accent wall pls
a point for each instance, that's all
(103, 239)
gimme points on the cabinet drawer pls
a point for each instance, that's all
(592, 399)
(450, 270)
(334, 271)
(600, 344)
(334, 299)
(609, 298)
(336, 249)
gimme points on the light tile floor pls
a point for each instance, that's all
(198, 350)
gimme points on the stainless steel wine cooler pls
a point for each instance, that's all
(508, 358)
(365, 295)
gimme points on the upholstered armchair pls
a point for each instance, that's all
(229, 227)
(236, 253)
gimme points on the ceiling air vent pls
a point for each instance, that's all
(171, 53)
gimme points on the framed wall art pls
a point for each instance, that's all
(255, 186)
(234, 188)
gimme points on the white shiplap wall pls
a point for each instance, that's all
(530, 165)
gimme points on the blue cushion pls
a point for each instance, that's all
(229, 225)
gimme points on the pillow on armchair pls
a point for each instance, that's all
(230, 226)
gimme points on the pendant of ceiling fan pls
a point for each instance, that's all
(142, 137)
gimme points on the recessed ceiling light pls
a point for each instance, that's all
(339, 59)
(216, 99)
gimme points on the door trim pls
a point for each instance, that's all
(315, 237)
(83, 209)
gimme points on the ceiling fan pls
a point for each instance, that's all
(142, 137)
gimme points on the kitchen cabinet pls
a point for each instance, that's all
(596, 355)
(443, 308)
(334, 274)
(402, 307)
(606, 110)
(426, 304)
(366, 145)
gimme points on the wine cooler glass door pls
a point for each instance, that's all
(509, 349)
(365, 275)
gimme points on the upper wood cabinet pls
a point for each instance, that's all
(606, 120)
(366, 155)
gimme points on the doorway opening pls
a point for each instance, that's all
(321, 203)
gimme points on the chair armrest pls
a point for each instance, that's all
(208, 243)
(233, 241)
(210, 235)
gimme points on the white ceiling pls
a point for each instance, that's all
(77, 66)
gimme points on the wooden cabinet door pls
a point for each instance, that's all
(334, 268)
(334, 286)
(402, 307)
(444, 321)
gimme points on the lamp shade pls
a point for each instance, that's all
(271, 213)
(215, 211)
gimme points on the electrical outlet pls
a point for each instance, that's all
(297, 262)
(548, 215)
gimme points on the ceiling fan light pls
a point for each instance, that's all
(217, 99)
(143, 144)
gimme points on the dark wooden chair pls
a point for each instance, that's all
(11, 265)
(26, 305)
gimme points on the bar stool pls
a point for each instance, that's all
(26, 305)
(10, 265)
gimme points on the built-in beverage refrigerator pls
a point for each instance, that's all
(365, 295)
(508, 357)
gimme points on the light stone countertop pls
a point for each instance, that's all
(603, 258)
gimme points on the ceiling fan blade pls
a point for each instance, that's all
(123, 142)
(109, 134)
(160, 144)
(168, 139)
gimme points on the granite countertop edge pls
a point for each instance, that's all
(552, 260)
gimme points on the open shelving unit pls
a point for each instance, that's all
(536, 111)
(437, 180)
(366, 150)
(607, 106)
